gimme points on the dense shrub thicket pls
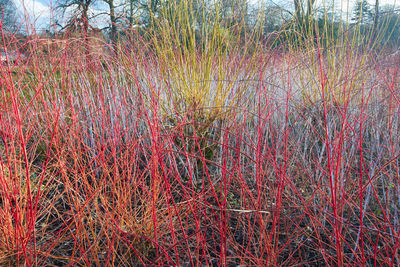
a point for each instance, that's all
(183, 145)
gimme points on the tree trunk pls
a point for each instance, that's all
(376, 20)
(153, 10)
(131, 14)
(86, 33)
(310, 4)
(113, 21)
(297, 8)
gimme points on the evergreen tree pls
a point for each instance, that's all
(362, 12)
(8, 14)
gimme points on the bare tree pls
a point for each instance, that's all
(113, 20)
(299, 8)
(80, 18)
(151, 8)
(133, 6)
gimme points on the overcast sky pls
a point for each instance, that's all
(39, 12)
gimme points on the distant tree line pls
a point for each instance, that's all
(300, 16)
